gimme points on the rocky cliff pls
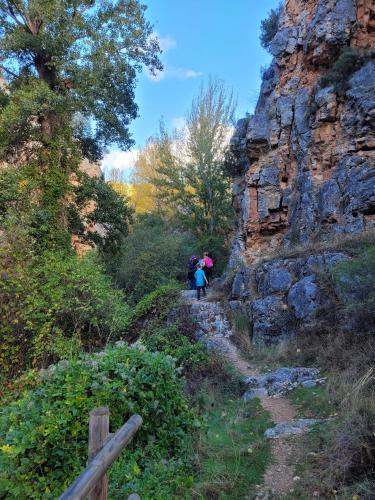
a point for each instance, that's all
(305, 160)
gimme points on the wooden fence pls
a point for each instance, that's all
(103, 449)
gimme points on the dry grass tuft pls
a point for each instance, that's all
(348, 243)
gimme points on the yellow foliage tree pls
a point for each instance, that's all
(140, 195)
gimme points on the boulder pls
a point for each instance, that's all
(242, 284)
(275, 278)
(254, 393)
(303, 297)
(271, 320)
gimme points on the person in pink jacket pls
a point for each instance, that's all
(208, 265)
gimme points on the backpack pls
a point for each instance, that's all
(209, 263)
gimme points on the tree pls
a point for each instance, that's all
(73, 63)
(191, 177)
(269, 26)
(70, 69)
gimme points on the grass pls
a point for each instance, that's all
(349, 243)
(233, 454)
(270, 358)
(242, 331)
(312, 402)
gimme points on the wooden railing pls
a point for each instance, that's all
(103, 449)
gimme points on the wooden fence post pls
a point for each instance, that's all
(98, 435)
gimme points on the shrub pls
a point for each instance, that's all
(153, 309)
(111, 214)
(269, 27)
(52, 305)
(154, 254)
(44, 433)
(191, 356)
(349, 61)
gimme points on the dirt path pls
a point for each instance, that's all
(279, 475)
(278, 478)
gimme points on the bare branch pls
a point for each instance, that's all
(9, 72)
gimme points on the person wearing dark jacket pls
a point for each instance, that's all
(192, 267)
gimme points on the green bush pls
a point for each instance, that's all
(111, 213)
(154, 254)
(53, 305)
(269, 27)
(152, 309)
(43, 434)
(349, 61)
(191, 356)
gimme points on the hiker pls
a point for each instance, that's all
(192, 267)
(200, 282)
(208, 265)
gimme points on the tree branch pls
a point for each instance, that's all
(13, 5)
(9, 72)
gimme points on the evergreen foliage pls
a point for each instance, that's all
(111, 215)
(348, 62)
(154, 254)
(52, 305)
(70, 70)
(269, 27)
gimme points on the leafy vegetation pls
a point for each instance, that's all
(69, 63)
(185, 171)
(348, 62)
(190, 355)
(154, 254)
(269, 27)
(233, 454)
(110, 214)
(44, 433)
(356, 283)
(53, 305)
(193, 183)
(70, 70)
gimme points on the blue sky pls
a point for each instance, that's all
(199, 37)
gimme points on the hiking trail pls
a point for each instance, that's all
(214, 329)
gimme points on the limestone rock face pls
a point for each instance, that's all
(306, 157)
(305, 162)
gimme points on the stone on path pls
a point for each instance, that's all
(285, 379)
(290, 428)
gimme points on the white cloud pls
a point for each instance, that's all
(166, 42)
(184, 73)
(179, 122)
(157, 77)
(124, 161)
(173, 72)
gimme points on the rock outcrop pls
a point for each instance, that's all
(306, 160)
(80, 244)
